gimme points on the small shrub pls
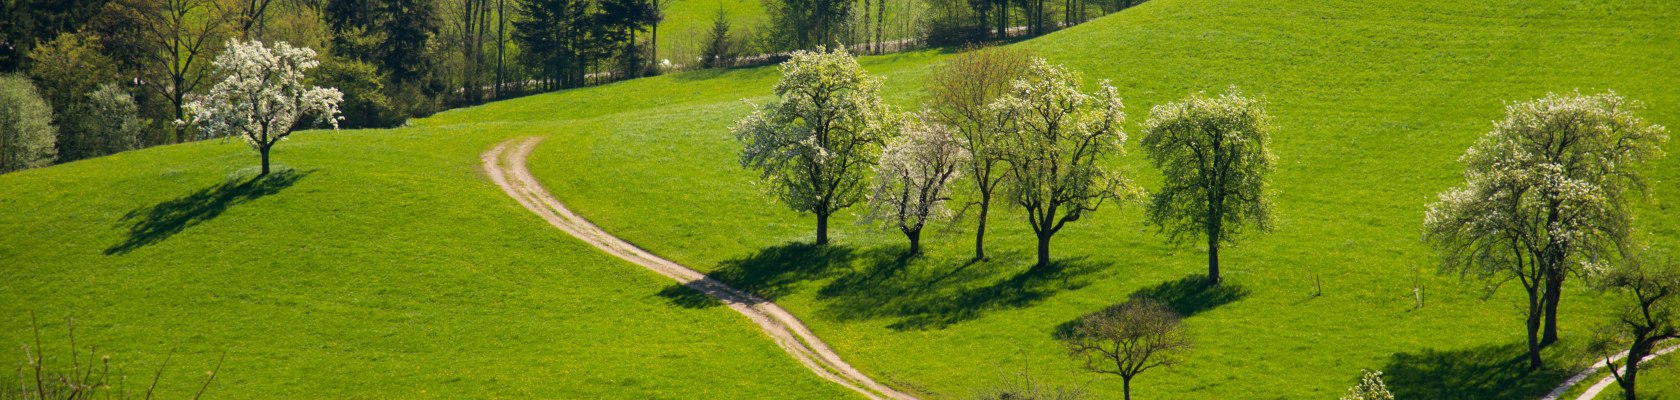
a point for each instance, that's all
(1370, 387)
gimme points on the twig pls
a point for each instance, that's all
(212, 378)
(159, 375)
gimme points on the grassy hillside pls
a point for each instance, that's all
(1375, 102)
(382, 265)
(387, 266)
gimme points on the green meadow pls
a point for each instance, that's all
(384, 264)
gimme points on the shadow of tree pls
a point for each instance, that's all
(769, 273)
(1192, 294)
(149, 225)
(1186, 296)
(925, 294)
(1486, 372)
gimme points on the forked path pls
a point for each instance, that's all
(505, 164)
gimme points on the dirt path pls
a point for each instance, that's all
(505, 164)
(1602, 383)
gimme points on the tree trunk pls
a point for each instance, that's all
(1213, 228)
(1213, 259)
(1533, 327)
(264, 151)
(501, 45)
(867, 46)
(980, 233)
(653, 41)
(1630, 375)
(1043, 249)
(180, 115)
(822, 228)
(880, 19)
(915, 237)
(1126, 386)
(1554, 294)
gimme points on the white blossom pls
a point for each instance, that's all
(815, 142)
(913, 176)
(263, 96)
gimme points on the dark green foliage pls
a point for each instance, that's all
(398, 31)
(620, 21)
(25, 23)
(721, 48)
(557, 38)
(564, 39)
(806, 24)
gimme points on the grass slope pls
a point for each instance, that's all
(1375, 102)
(383, 265)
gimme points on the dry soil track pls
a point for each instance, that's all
(505, 164)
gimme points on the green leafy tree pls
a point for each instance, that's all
(69, 69)
(27, 23)
(1546, 193)
(1055, 138)
(365, 103)
(400, 31)
(958, 96)
(721, 48)
(815, 143)
(107, 121)
(1214, 159)
(26, 130)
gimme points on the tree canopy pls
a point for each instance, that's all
(815, 142)
(1214, 159)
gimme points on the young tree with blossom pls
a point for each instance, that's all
(1213, 154)
(1055, 136)
(815, 142)
(1370, 387)
(1546, 194)
(264, 95)
(912, 179)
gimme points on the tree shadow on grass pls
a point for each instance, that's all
(150, 225)
(1192, 294)
(1486, 372)
(770, 273)
(1186, 296)
(924, 294)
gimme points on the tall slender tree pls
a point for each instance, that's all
(958, 95)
